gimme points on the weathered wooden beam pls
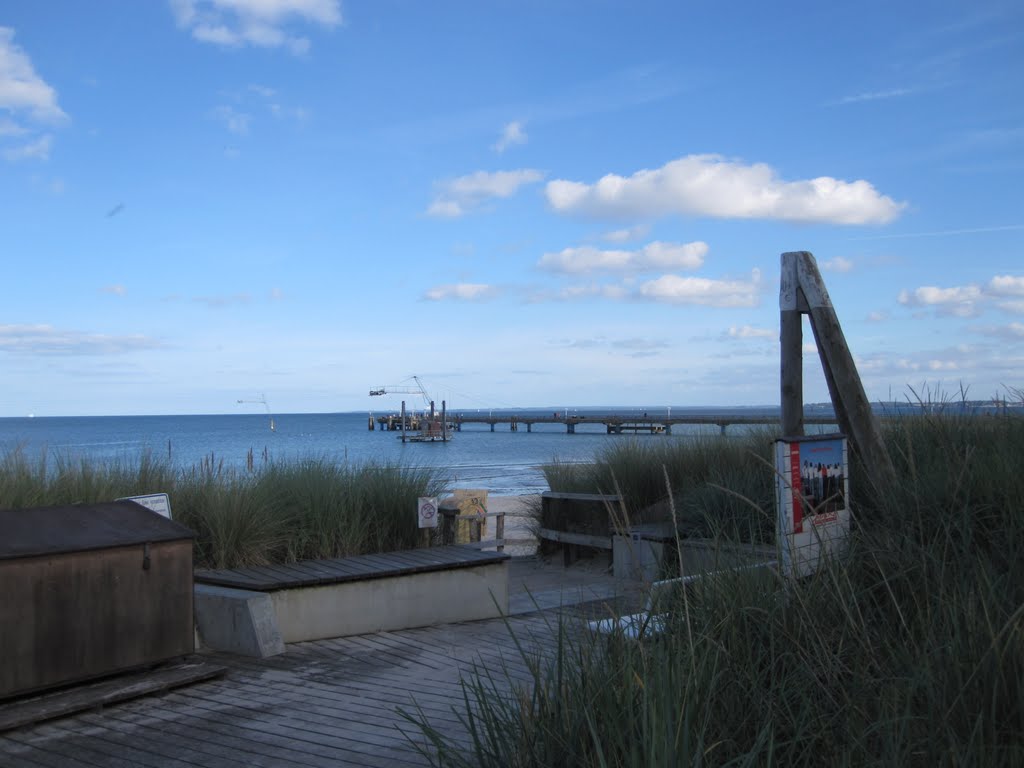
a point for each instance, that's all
(791, 345)
(848, 396)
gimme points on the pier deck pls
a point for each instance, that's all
(619, 424)
(327, 702)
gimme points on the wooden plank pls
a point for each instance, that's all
(791, 349)
(315, 744)
(80, 752)
(204, 733)
(838, 361)
(582, 539)
(355, 568)
(62, 703)
(141, 728)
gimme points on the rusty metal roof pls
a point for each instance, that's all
(80, 527)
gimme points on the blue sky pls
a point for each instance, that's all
(526, 204)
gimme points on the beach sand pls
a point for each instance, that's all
(519, 513)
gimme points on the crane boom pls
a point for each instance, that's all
(262, 400)
(400, 389)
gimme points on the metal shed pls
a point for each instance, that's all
(90, 590)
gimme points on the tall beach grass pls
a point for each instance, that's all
(278, 512)
(908, 652)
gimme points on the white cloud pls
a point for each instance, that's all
(1015, 307)
(673, 289)
(960, 300)
(750, 332)
(580, 292)
(653, 256)
(10, 128)
(22, 91)
(710, 185)
(33, 150)
(235, 121)
(26, 96)
(513, 133)
(222, 302)
(236, 23)
(877, 316)
(1006, 292)
(1006, 285)
(1012, 331)
(625, 235)
(47, 340)
(892, 93)
(838, 264)
(115, 290)
(457, 197)
(630, 347)
(461, 292)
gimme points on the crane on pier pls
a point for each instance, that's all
(403, 389)
(262, 399)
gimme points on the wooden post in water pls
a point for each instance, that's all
(444, 422)
(802, 291)
(403, 421)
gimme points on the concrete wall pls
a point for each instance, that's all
(400, 602)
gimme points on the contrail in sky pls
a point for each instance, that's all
(941, 232)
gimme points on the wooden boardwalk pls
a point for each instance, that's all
(323, 703)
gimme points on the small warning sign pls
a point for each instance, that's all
(427, 506)
(157, 502)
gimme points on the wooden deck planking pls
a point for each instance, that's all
(326, 702)
(162, 740)
(271, 725)
(212, 739)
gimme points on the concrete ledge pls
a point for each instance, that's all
(391, 603)
(237, 621)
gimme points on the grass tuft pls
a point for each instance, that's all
(909, 652)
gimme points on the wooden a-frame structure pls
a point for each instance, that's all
(802, 292)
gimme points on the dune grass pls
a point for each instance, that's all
(279, 512)
(720, 487)
(909, 652)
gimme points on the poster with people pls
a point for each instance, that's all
(812, 496)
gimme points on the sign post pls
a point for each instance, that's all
(812, 495)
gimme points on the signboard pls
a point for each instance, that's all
(471, 502)
(156, 502)
(812, 495)
(427, 510)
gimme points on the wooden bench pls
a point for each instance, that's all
(316, 599)
(577, 520)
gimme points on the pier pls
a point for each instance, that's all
(614, 424)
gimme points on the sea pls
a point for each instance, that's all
(502, 461)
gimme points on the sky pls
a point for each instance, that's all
(532, 203)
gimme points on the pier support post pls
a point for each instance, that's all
(492, 426)
(529, 427)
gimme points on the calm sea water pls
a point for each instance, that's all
(503, 462)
